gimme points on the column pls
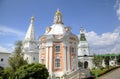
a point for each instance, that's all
(68, 56)
(76, 59)
(47, 57)
(64, 59)
(50, 63)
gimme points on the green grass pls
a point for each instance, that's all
(97, 72)
(101, 71)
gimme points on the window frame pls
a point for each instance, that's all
(57, 48)
(57, 62)
(1, 59)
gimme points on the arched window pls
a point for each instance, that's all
(57, 62)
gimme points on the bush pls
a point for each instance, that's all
(32, 71)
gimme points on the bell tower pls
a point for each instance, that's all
(83, 48)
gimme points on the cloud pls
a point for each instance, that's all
(117, 7)
(2, 49)
(10, 31)
(108, 42)
(8, 48)
(6, 33)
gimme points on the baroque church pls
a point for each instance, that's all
(58, 48)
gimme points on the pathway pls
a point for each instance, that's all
(115, 74)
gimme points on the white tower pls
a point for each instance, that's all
(83, 48)
(30, 47)
(83, 51)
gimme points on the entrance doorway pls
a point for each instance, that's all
(85, 64)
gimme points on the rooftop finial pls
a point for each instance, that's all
(81, 30)
(32, 19)
(58, 12)
(58, 17)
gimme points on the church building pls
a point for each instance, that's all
(58, 48)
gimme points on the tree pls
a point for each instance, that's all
(107, 59)
(8, 73)
(118, 59)
(17, 60)
(80, 64)
(1, 71)
(97, 60)
(32, 71)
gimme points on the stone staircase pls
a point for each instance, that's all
(78, 74)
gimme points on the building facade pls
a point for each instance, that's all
(58, 48)
(30, 44)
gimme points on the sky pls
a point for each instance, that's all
(100, 19)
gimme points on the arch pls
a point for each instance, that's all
(85, 64)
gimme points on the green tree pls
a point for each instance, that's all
(8, 73)
(107, 59)
(97, 60)
(80, 64)
(32, 71)
(1, 71)
(118, 59)
(17, 60)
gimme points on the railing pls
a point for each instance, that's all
(82, 73)
(72, 75)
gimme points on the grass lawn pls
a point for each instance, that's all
(100, 71)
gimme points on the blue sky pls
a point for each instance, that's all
(100, 18)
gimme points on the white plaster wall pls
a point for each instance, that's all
(88, 59)
(30, 57)
(5, 57)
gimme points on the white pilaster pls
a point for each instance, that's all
(47, 57)
(68, 55)
(50, 63)
(64, 59)
(76, 57)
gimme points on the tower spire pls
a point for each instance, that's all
(58, 17)
(30, 35)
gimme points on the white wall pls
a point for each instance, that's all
(4, 57)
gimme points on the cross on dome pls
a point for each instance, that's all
(58, 17)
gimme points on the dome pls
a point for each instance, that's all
(57, 29)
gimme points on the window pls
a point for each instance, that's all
(57, 62)
(73, 50)
(42, 61)
(42, 50)
(34, 58)
(1, 59)
(57, 48)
